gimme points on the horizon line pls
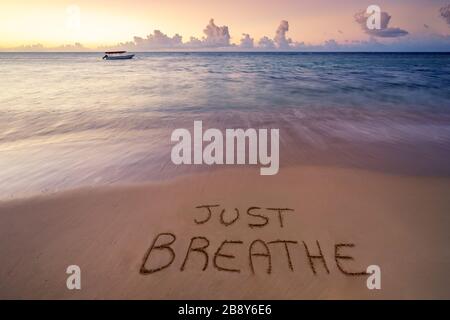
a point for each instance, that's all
(232, 51)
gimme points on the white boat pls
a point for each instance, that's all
(117, 55)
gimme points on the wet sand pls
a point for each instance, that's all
(399, 223)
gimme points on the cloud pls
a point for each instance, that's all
(155, 40)
(158, 40)
(246, 42)
(38, 47)
(266, 44)
(280, 36)
(424, 43)
(71, 47)
(389, 33)
(429, 43)
(194, 43)
(280, 41)
(30, 48)
(385, 31)
(216, 36)
(445, 13)
(331, 45)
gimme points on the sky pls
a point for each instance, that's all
(281, 24)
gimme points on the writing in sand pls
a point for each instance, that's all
(260, 253)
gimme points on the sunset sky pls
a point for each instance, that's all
(108, 22)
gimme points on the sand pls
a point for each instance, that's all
(399, 223)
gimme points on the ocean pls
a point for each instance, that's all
(70, 120)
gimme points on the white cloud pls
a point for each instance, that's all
(266, 43)
(38, 47)
(280, 36)
(247, 42)
(194, 43)
(158, 40)
(216, 36)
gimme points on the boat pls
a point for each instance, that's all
(117, 55)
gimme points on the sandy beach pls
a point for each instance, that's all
(399, 223)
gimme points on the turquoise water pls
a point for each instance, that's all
(71, 119)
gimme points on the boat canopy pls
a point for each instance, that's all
(115, 52)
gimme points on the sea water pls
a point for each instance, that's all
(69, 120)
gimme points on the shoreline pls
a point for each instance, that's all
(397, 222)
(204, 171)
(138, 148)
